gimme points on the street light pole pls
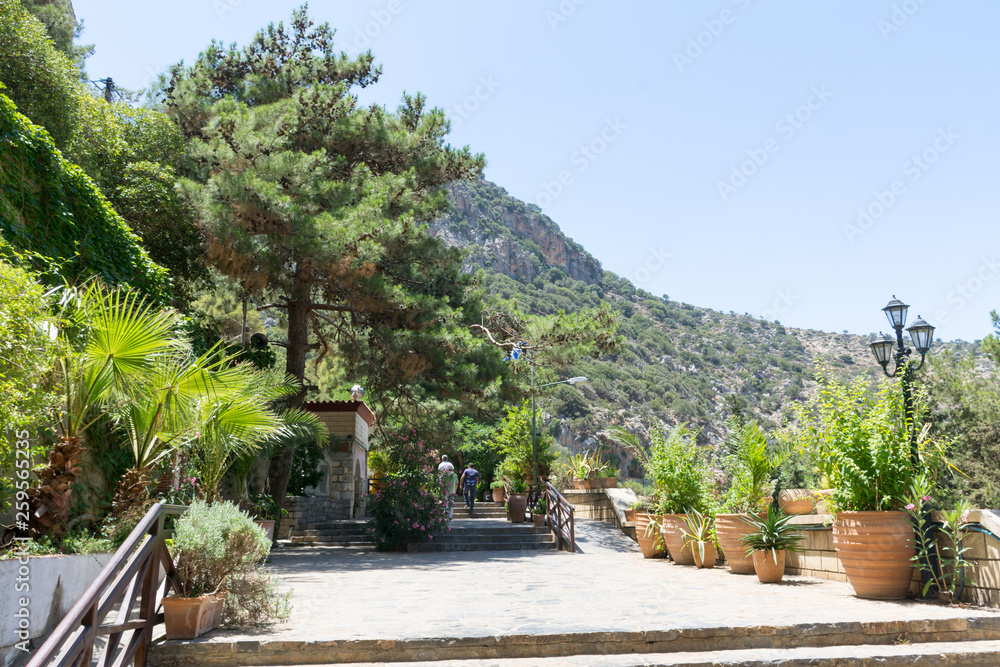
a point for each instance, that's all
(922, 336)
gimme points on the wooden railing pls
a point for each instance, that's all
(559, 518)
(127, 590)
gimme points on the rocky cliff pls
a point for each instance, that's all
(510, 237)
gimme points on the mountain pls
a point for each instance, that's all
(681, 363)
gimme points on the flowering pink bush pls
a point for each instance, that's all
(411, 506)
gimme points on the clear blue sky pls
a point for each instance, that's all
(718, 152)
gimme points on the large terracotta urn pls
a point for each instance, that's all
(650, 541)
(517, 503)
(729, 528)
(677, 544)
(796, 501)
(875, 549)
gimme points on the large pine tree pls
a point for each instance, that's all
(319, 205)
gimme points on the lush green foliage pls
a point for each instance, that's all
(860, 440)
(965, 404)
(411, 506)
(44, 83)
(475, 443)
(513, 442)
(750, 466)
(50, 207)
(62, 26)
(680, 471)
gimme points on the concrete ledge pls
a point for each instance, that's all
(221, 654)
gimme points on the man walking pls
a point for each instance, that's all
(470, 479)
(449, 480)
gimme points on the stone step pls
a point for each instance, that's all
(482, 539)
(961, 640)
(950, 654)
(506, 545)
(521, 529)
(324, 539)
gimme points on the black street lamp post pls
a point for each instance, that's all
(884, 348)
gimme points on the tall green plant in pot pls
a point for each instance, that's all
(681, 475)
(769, 538)
(751, 469)
(860, 440)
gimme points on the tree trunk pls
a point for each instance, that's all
(132, 491)
(280, 467)
(49, 501)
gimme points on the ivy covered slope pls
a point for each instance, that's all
(681, 362)
(52, 211)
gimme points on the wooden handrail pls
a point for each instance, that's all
(559, 517)
(131, 577)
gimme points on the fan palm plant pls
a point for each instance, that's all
(111, 340)
(237, 419)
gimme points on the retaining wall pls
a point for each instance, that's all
(54, 584)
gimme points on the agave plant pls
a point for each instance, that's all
(699, 528)
(773, 533)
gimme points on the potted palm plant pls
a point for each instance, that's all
(699, 535)
(751, 483)
(771, 536)
(538, 512)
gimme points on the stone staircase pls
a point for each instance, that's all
(344, 533)
(488, 534)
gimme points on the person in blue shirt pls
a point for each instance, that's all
(469, 481)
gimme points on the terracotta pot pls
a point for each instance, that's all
(580, 484)
(711, 553)
(677, 545)
(187, 618)
(796, 501)
(651, 544)
(538, 519)
(729, 528)
(498, 495)
(875, 550)
(517, 504)
(629, 515)
(770, 567)
(609, 482)
(267, 525)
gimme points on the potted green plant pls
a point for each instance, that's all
(538, 511)
(647, 528)
(378, 466)
(699, 535)
(498, 491)
(265, 511)
(770, 537)
(751, 482)
(860, 441)
(579, 470)
(217, 549)
(681, 475)
(630, 511)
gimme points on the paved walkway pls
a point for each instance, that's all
(351, 594)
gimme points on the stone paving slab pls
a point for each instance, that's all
(985, 653)
(608, 589)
